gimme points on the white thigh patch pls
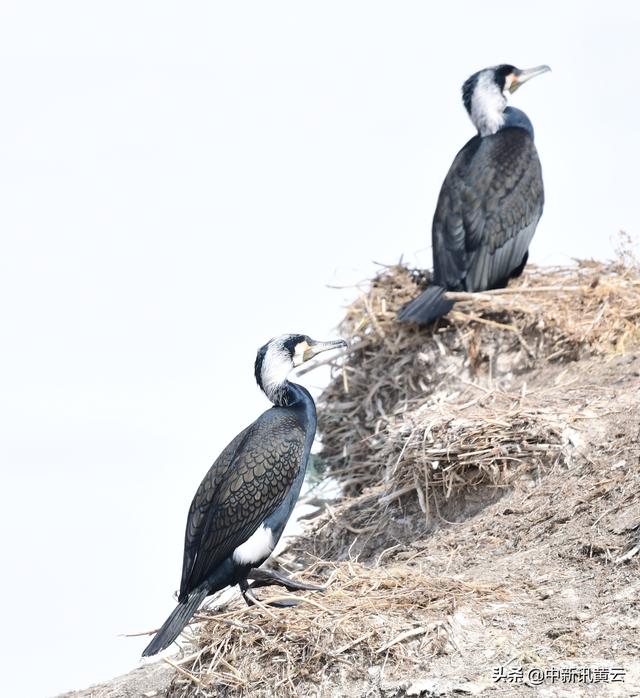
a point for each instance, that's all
(256, 548)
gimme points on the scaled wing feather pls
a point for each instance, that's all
(488, 209)
(246, 484)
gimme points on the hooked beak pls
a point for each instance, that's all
(519, 77)
(316, 348)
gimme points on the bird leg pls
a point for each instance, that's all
(247, 593)
(251, 600)
(264, 578)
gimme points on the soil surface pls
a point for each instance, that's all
(151, 681)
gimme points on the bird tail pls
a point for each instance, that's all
(427, 307)
(175, 623)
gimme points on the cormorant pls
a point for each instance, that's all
(491, 200)
(241, 507)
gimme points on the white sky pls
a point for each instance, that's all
(179, 183)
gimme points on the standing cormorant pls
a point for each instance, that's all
(491, 200)
(241, 507)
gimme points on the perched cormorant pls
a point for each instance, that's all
(241, 507)
(491, 200)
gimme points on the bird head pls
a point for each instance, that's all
(484, 94)
(279, 356)
(512, 78)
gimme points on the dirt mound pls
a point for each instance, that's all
(490, 516)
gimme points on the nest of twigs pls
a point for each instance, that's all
(368, 615)
(425, 412)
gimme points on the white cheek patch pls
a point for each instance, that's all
(275, 368)
(256, 549)
(487, 105)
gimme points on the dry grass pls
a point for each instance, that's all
(418, 415)
(368, 614)
(419, 410)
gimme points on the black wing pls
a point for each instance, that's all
(247, 482)
(487, 212)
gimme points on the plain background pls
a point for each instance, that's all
(180, 182)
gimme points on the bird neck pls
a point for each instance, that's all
(486, 105)
(285, 393)
(487, 113)
(516, 118)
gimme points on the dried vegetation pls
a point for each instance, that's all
(413, 420)
(370, 613)
(423, 412)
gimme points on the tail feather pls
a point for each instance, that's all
(427, 307)
(175, 623)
